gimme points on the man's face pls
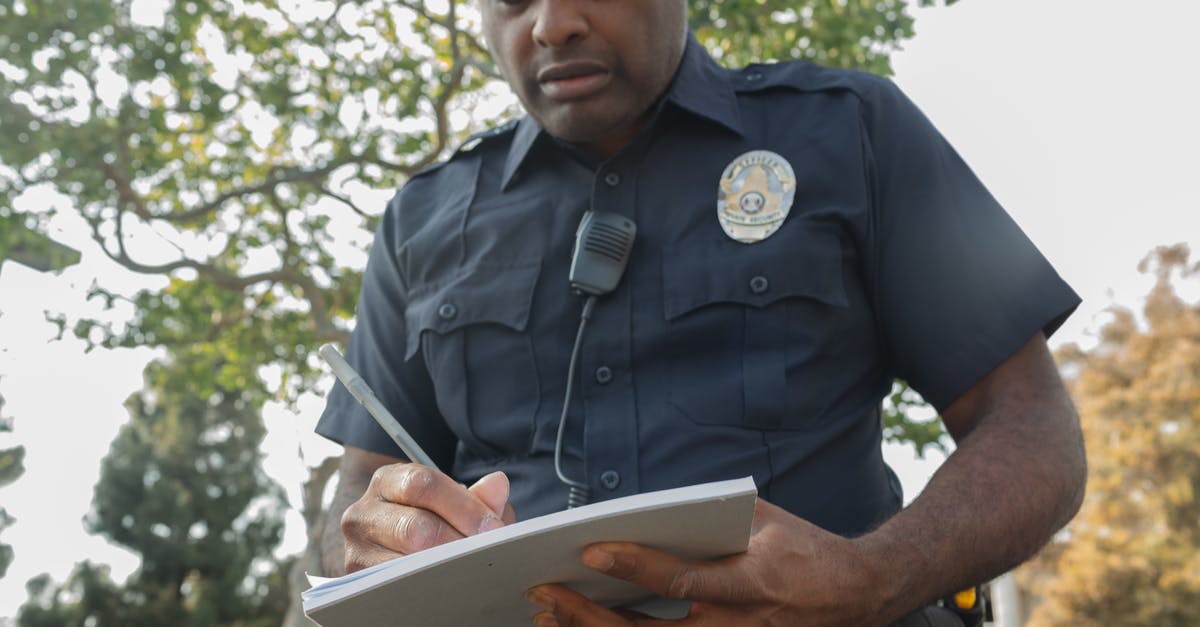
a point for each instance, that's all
(587, 70)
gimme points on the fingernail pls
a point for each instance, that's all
(489, 523)
(598, 560)
(545, 620)
(542, 600)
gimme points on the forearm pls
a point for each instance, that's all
(354, 477)
(1013, 482)
(333, 544)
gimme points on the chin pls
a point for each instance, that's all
(583, 128)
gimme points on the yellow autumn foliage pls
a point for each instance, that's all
(1132, 555)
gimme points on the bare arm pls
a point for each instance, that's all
(388, 507)
(1017, 476)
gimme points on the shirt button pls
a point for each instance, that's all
(612, 179)
(447, 311)
(759, 284)
(610, 479)
(603, 375)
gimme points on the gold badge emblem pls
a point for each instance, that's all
(756, 196)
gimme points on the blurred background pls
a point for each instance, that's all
(188, 189)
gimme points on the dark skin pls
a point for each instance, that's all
(977, 518)
(1016, 477)
(588, 71)
(389, 508)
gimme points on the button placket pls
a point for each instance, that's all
(610, 413)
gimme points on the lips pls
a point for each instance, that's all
(573, 80)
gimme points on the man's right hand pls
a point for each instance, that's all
(408, 508)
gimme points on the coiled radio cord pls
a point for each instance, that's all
(579, 493)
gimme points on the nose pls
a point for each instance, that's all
(560, 23)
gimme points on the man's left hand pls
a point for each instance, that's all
(792, 573)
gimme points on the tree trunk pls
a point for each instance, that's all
(314, 523)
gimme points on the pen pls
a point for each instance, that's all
(361, 391)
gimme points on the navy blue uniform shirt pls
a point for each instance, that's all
(713, 359)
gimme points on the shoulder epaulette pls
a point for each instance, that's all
(802, 75)
(470, 144)
(473, 141)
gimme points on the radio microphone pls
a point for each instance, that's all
(603, 243)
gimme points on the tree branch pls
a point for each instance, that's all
(345, 200)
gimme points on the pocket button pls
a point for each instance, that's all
(759, 285)
(447, 311)
(610, 479)
(603, 375)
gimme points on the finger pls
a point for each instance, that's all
(671, 577)
(632, 616)
(493, 491)
(360, 555)
(373, 523)
(427, 488)
(571, 609)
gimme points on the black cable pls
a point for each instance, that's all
(579, 493)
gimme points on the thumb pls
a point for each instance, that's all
(493, 491)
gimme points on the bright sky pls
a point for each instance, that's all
(1080, 116)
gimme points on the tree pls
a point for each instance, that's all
(1131, 556)
(25, 246)
(183, 488)
(853, 34)
(234, 147)
(12, 465)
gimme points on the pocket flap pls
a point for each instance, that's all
(482, 293)
(798, 262)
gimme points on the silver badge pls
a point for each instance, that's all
(755, 196)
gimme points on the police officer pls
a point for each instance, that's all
(804, 237)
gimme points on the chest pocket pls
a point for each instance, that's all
(470, 328)
(749, 325)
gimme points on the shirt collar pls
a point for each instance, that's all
(700, 86)
(523, 139)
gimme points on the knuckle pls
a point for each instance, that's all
(351, 521)
(414, 532)
(378, 478)
(407, 529)
(415, 484)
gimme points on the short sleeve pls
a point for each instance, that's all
(958, 286)
(376, 350)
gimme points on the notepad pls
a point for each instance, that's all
(482, 579)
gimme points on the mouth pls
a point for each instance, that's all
(573, 80)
